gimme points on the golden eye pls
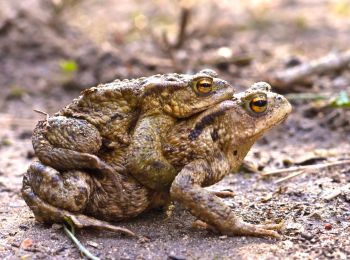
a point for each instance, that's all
(258, 104)
(204, 86)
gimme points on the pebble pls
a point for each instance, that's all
(93, 244)
(27, 243)
(307, 236)
(328, 226)
(56, 226)
(175, 257)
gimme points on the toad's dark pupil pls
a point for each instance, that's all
(205, 85)
(260, 103)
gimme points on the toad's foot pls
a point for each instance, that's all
(239, 227)
(45, 212)
(247, 229)
(83, 221)
(202, 203)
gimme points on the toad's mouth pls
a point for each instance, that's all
(281, 120)
(284, 118)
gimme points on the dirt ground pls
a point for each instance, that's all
(50, 52)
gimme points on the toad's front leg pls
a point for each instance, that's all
(146, 161)
(187, 189)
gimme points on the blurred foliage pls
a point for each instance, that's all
(305, 96)
(68, 66)
(341, 7)
(5, 142)
(322, 100)
(341, 101)
(16, 92)
(301, 22)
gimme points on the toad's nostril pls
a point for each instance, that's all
(279, 98)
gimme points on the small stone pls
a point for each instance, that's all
(315, 215)
(27, 243)
(93, 244)
(328, 226)
(54, 237)
(144, 240)
(307, 236)
(56, 226)
(223, 237)
(175, 257)
(292, 62)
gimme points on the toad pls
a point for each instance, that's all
(104, 117)
(203, 149)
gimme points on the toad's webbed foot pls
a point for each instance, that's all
(187, 189)
(83, 221)
(254, 230)
(239, 227)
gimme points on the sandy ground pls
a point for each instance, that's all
(30, 78)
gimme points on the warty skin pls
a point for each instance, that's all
(202, 149)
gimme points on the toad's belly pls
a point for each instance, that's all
(110, 204)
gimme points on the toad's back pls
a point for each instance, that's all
(112, 108)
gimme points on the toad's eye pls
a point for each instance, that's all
(204, 86)
(258, 104)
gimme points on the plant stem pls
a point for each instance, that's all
(82, 249)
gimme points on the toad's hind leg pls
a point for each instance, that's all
(53, 197)
(68, 143)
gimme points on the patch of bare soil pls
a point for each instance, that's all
(46, 58)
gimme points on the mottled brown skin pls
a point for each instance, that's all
(124, 113)
(202, 149)
(208, 147)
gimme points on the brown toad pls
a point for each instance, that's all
(104, 117)
(203, 149)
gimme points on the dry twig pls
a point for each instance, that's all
(333, 194)
(42, 113)
(306, 167)
(186, 8)
(290, 176)
(184, 18)
(329, 63)
(169, 50)
(8, 120)
(269, 196)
